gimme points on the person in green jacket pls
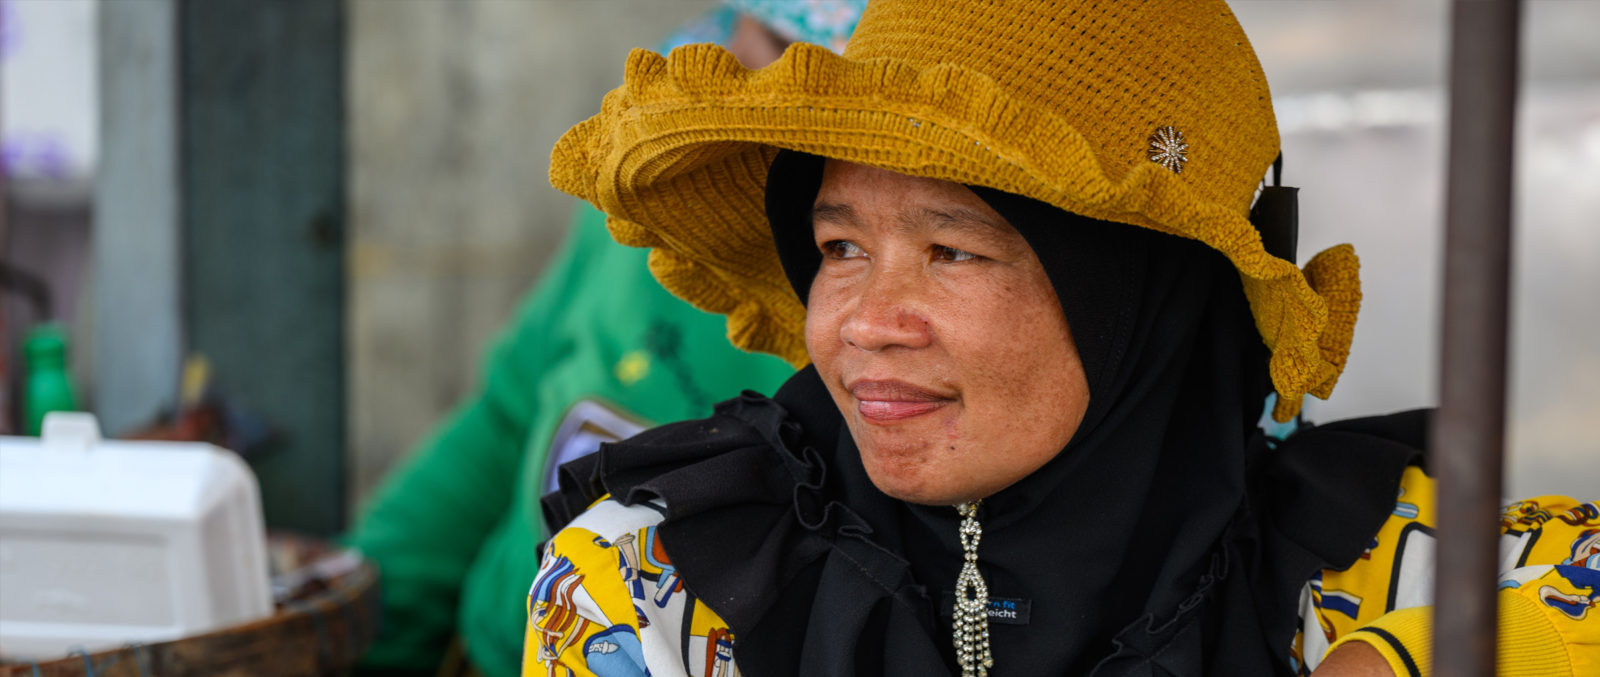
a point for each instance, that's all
(597, 351)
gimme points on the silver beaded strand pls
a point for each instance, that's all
(972, 601)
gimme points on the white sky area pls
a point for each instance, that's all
(1358, 90)
(47, 88)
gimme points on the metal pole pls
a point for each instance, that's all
(1469, 432)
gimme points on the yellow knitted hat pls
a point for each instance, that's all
(1152, 113)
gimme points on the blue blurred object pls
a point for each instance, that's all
(824, 22)
(1275, 431)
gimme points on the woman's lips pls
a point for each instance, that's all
(886, 401)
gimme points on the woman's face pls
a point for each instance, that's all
(939, 337)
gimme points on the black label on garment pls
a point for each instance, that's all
(1004, 610)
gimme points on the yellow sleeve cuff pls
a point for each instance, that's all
(1528, 644)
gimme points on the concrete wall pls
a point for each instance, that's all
(452, 110)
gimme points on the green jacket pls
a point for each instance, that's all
(453, 529)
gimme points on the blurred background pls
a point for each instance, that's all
(300, 222)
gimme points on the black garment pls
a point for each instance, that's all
(1149, 546)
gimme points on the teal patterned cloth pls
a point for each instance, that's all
(823, 22)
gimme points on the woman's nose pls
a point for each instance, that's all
(887, 313)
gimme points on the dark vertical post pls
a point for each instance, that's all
(1469, 432)
(262, 119)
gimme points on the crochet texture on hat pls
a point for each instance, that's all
(1050, 99)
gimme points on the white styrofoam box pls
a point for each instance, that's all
(104, 543)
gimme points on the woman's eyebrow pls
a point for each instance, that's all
(941, 218)
(833, 212)
(954, 218)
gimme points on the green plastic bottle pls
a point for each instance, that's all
(47, 387)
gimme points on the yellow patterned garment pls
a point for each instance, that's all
(1549, 588)
(607, 602)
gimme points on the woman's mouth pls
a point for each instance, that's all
(887, 401)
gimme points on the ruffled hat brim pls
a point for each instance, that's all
(678, 157)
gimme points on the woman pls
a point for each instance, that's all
(1013, 241)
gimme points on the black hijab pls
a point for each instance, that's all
(1139, 549)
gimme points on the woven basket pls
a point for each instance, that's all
(320, 631)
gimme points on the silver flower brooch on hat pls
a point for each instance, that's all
(1168, 149)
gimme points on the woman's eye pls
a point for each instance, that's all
(943, 253)
(841, 249)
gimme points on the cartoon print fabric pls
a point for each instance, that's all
(1549, 552)
(608, 602)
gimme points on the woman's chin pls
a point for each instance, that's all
(921, 483)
